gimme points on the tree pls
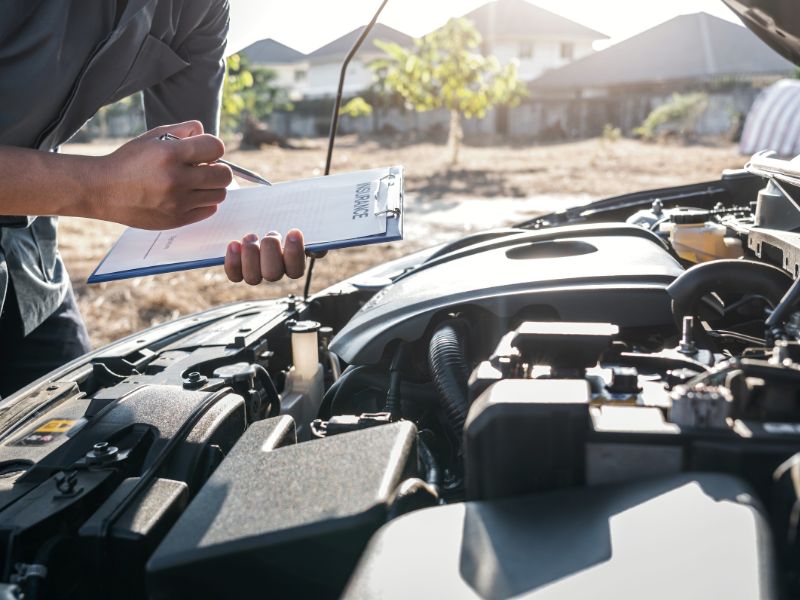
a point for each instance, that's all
(445, 69)
(249, 91)
(357, 107)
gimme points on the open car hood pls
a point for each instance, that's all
(777, 22)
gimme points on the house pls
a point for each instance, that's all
(289, 64)
(511, 30)
(622, 84)
(325, 63)
(686, 49)
(538, 39)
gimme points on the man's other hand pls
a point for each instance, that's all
(270, 259)
(161, 184)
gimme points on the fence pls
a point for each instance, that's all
(537, 119)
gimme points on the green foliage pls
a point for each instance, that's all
(237, 80)
(677, 115)
(445, 69)
(611, 133)
(357, 107)
(249, 91)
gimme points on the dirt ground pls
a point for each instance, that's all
(500, 184)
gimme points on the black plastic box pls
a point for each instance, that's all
(526, 435)
(290, 522)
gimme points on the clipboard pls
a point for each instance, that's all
(315, 206)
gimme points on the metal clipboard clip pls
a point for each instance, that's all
(389, 178)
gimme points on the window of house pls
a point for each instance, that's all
(567, 50)
(525, 50)
(299, 75)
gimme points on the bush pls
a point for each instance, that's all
(676, 116)
(357, 107)
(249, 92)
(611, 133)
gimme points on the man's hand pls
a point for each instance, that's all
(161, 184)
(270, 259)
(148, 183)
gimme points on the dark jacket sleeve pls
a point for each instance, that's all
(195, 91)
(16, 221)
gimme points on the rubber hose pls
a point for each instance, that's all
(733, 276)
(325, 410)
(272, 392)
(367, 376)
(395, 382)
(449, 372)
(432, 474)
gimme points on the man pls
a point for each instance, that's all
(59, 63)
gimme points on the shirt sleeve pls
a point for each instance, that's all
(16, 221)
(194, 92)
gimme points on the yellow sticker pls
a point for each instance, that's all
(55, 426)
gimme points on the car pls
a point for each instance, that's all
(599, 402)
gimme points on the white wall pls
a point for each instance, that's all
(323, 77)
(286, 78)
(545, 53)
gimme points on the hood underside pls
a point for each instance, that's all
(777, 22)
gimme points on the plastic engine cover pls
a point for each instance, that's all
(625, 271)
(693, 535)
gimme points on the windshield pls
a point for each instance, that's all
(565, 104)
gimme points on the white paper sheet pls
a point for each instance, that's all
(323, 208)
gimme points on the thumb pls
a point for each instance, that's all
(181, 130)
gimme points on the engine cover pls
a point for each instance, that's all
(614, 274)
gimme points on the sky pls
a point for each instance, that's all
(308, 24)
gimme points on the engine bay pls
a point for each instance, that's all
(483, 419)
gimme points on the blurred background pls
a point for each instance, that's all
(498, 111)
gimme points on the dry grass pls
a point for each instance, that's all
(592, 167)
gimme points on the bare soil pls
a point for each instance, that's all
(541, 178)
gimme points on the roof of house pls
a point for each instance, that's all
(520, 18)
(694, 46)
(338, 48)
(269, 51)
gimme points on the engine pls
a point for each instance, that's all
(603, 394)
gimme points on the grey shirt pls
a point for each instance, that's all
(60, 61)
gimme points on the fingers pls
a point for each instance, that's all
(251, 260)
(270, 260)
(198, 149)
(233, 262)
(294, 259)
(201, 198)
(209, 177)
(181, 130)
(272, 267)
(194, 215)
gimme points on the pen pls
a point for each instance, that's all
(240, 171)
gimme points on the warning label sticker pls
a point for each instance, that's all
(46, 432)
(55, 426)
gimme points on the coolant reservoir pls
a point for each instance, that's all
(302, 393)
(697, 239)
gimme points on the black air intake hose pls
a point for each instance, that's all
(449, 371)
(734, 276)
